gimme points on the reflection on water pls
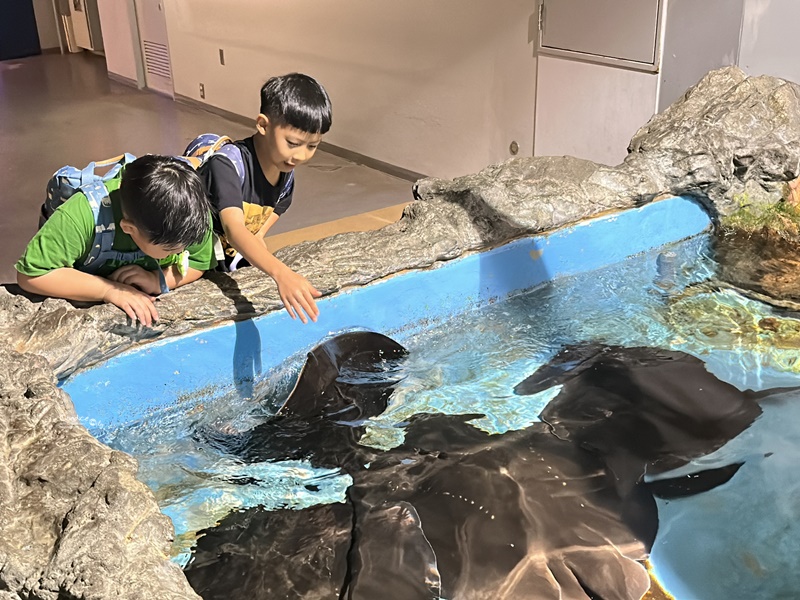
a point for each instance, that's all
(471, 364)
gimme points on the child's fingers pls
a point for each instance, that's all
(311, 308)
(145, 316)
(143, 307)
(130, 312)
(151, 306)
(288, 306)
(298, 309)
(314, 291)
(304, 307)
(118, 274)
(291, 311)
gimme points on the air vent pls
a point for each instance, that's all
(156, 59)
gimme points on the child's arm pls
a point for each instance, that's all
(178, 269)
(72, 284)
(45, 268)
(296, 293)
(150, 282)
(271, 220)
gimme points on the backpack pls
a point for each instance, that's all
(66, 182)
(204, 146)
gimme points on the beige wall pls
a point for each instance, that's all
(591, 111)
(437, 87)
(770, 39)
(440, 87)
(118, 41)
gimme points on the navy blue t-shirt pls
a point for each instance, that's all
(225, 188)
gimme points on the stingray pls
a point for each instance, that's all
(559, 509)
(345, 380)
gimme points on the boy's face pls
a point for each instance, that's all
(284, 147)
(155, 251)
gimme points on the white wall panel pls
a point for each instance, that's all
(699, 37)
(590, 111)
(46, 23)
(770, 39)
(119, 45)
(440, 88)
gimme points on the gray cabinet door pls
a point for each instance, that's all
(611, 31)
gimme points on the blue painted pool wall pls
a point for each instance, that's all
(234, 355)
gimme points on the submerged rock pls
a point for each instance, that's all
(708, 317)
(763, 264)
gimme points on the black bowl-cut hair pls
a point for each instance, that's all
(166, 199)
(297, 100)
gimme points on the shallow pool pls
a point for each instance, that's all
(474, 329)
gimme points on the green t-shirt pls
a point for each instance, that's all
(66, 239)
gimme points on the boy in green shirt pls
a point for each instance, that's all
(162, 239)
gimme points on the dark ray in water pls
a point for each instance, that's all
(557, 510)
(344, 381)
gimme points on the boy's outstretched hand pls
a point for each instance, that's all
(297, 295)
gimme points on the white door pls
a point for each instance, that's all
(597, 79)
(155, 46)
(80, 24)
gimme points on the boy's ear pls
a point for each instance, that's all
(262, 123)
(126, 225)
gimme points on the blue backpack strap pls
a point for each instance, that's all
(205, 144)
(234, 154)
(288, 186)
(102, 246)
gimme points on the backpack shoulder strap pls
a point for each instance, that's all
(206, 144)
(102, 249)
(288, 186)
(234, 154)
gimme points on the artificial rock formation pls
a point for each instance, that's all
(74, 520)
(76, 523)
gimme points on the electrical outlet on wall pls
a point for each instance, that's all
(202, 91)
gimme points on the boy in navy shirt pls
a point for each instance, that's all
(295, 113)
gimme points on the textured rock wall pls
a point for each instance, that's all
(74, 520)
(76, 523)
